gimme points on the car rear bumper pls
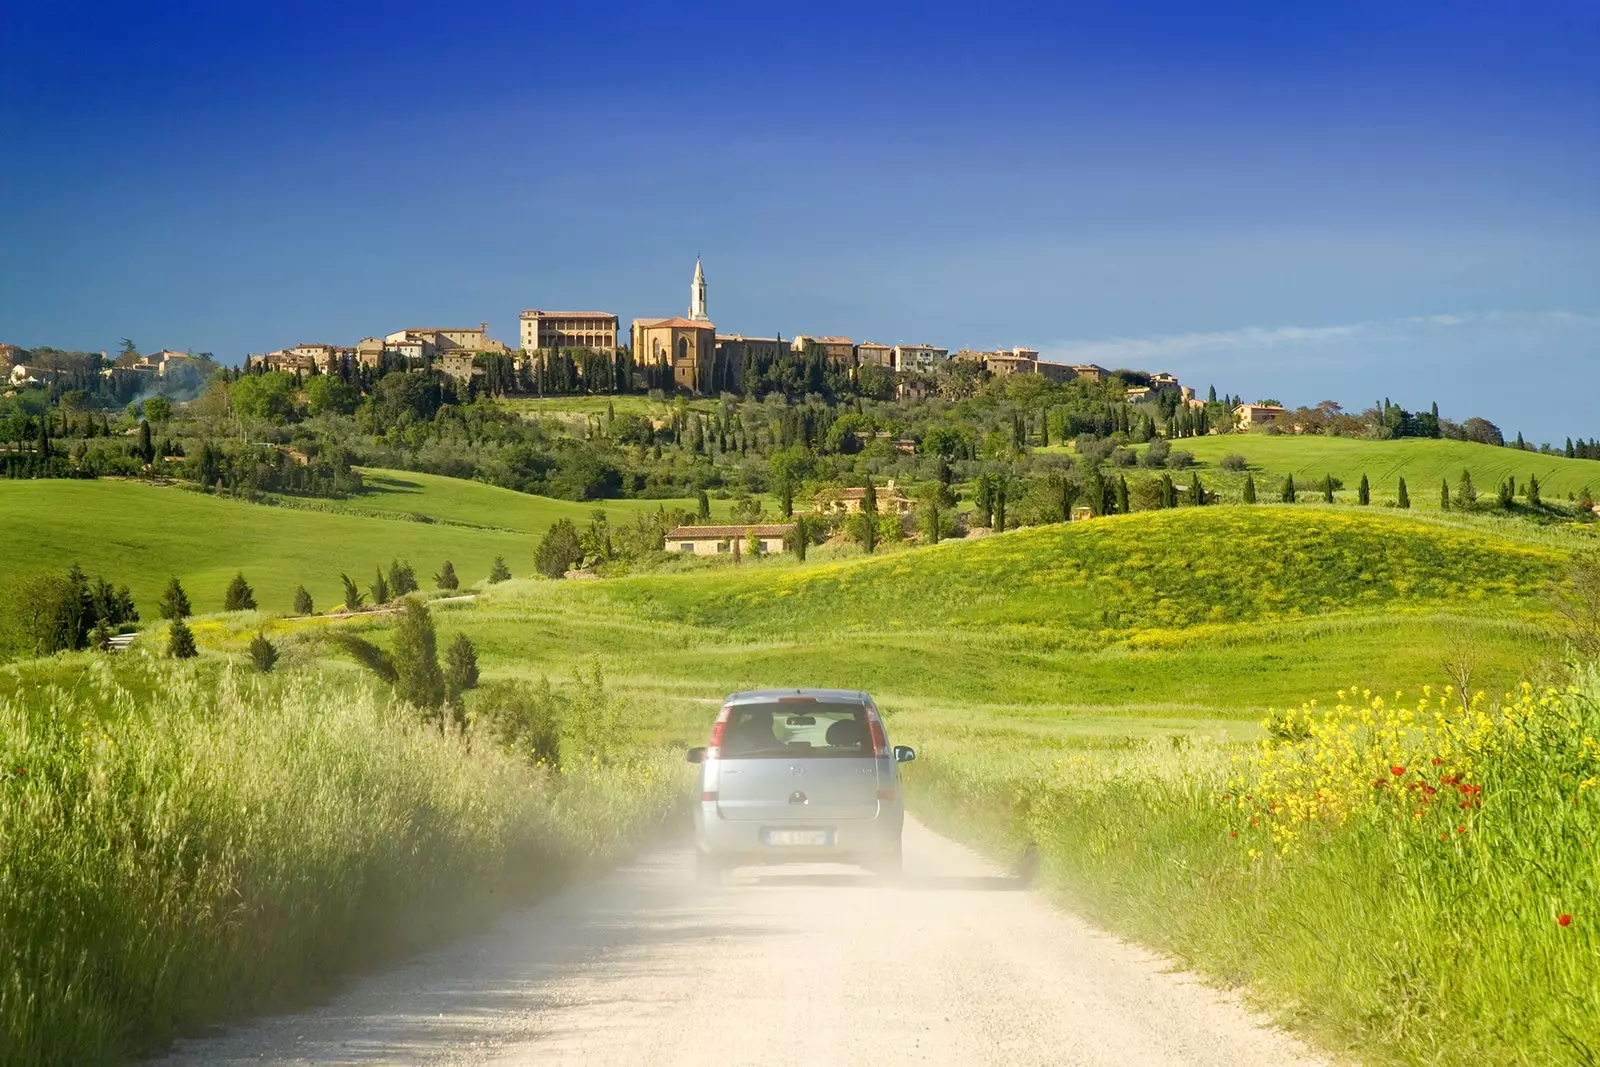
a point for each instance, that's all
(746, 840)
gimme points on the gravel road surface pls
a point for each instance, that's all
(957, 964)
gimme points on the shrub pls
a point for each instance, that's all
(560, 551)
(402, 579)
(1124, 457)
(180, 641)
(1234, 462)
(100, 636)
(525, 719)
(263, 654)
(239, 597)
(498, 571)
(1155, 453)
(460, 666)
(353, 599)
(381, 594)
(1179, 461)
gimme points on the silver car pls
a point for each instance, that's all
(798, 775)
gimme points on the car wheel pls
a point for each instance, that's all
(707, 869)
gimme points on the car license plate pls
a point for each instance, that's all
(799, 837)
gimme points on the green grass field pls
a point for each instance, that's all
(403, 494)
(143, 534)
(1422, 463)
(578, 406)
(1092, 687)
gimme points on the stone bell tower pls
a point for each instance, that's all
(697, 295)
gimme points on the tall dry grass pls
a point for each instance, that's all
(188, 845)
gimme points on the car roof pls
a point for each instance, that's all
(834, 696)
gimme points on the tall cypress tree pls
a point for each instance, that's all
(1364, 493)
(1327, 488)
(1444, 494)
(1288, 490)
(1402, 497)
(1249, 489)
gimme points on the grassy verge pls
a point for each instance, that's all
(187, 844)
(1392, 880)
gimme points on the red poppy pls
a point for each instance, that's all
(1461, 829)
(1444, 836)
(1564, 919)
(1397, 771)
(20, 772)
(1437, 761)
(1233, 833)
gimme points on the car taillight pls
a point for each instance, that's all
(708, 794)
(886, 794)
(880, 740)
(714, 748)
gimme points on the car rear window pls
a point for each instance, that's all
(796, 730)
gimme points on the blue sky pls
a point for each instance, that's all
(1309, 202)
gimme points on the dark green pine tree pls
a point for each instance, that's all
(1402, 496)
(1288, 490)
(1197, 492)
(180, 640)
(353, 600)
(1327, 488)
(446, 578)
(498, 571)
(1444, 494)
(147, 448)
(702, 507)
(379, 589)
(1364, 492)
(1122, 495)
(868, 519)
(263, 653)
(174, 602)
(302, 602)
(239, 597)
(1249, 489)
(1534, 499)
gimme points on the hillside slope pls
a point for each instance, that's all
(1423, 463)
(142, 535)
(1123, 574)
(405, 493)
(1220, 612)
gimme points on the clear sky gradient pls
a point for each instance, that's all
(1340, 201)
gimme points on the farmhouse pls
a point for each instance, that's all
(726, 540)
(1248, 415)
(890, 500)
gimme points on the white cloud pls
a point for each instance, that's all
(1160, 351)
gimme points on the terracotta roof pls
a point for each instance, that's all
(675, 323)
(718, 533)
(568, 314)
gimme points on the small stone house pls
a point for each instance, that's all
(727, 540)
(890, 500)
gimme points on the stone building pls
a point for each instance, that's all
(727, 540)
(687, 345)
(870, 353)
(889, 498)
(921, 358)
(551, 330)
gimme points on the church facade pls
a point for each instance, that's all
(687, 345)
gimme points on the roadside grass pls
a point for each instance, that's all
(1416, 921)
(1423, 463)
(187, 843)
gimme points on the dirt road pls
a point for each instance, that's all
(799, 965)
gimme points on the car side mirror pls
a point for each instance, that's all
(904, 753)
(695, 755)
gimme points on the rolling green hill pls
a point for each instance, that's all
(1423, 463)
(142, 534)
(404, 494)
(1216, 613)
